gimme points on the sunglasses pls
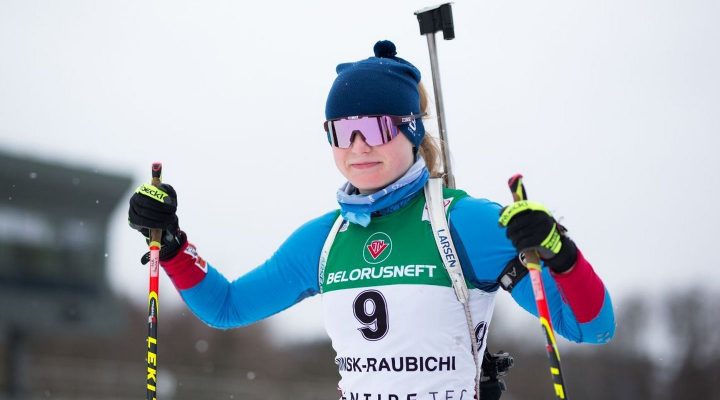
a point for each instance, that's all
(376, 129)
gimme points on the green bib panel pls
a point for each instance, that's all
(394, 249)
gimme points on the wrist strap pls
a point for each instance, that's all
(512, 274)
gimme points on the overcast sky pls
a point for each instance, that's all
(610, 109)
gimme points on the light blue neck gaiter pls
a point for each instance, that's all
(358, 208)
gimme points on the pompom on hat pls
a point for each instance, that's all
(380, 85)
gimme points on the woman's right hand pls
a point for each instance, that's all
(155, 208)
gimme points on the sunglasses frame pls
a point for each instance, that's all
(395, 120)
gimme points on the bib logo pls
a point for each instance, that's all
(377, 248)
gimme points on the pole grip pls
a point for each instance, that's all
(156, 173)
(437, 18)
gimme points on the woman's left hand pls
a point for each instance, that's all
(530, 226)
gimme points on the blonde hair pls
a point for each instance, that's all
(429, 147)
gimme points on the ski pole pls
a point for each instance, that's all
(531, 260)
(155, 239)
(431, 20)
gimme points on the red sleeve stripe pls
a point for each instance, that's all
(187, 268)
(582, 289)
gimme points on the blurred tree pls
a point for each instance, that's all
(200, 362)
(619, 370)
(694, 325)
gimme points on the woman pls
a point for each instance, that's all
(390, 308)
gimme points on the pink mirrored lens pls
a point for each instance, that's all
(376, 130)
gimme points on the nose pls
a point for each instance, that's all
(358, 145)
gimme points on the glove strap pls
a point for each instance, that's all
(566, 258)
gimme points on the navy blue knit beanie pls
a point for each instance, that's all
(380, 85)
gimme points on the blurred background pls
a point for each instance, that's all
(610, 110)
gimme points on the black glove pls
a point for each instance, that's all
(494, 368)
(531, 227)
(154, 208)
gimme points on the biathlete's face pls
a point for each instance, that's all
(370, 168)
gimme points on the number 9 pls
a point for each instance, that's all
(370, 309)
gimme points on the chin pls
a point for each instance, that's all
(369, 185)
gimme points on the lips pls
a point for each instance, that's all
(364, 165)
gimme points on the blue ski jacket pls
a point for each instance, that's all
(580, 305)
